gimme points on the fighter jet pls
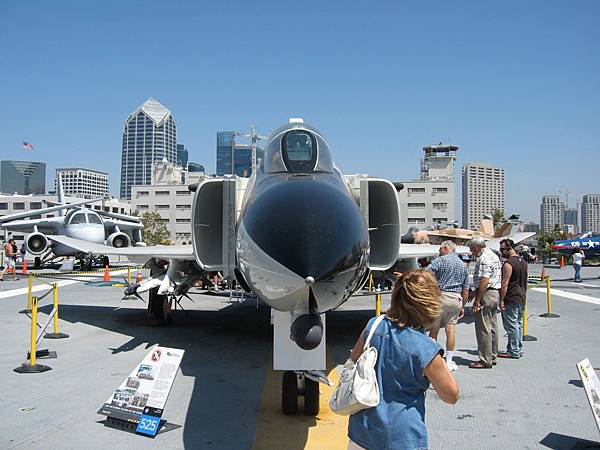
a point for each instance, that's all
(588, 242)
(460, 236)
(45, 238)
(298, 234)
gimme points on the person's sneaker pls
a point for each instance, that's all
(451, 366)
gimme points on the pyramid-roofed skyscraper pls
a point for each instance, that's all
(149, 135)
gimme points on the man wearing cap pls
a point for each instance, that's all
(487, 279)
(453, 280)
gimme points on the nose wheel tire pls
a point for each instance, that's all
(311, 397)
(297, 385)
(37, 262)
(289, 393)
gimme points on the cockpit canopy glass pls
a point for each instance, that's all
(299, 150)
(93, 218)
(78, 218)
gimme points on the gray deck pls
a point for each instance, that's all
(536, 402)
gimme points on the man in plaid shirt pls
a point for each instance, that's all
(453, 280)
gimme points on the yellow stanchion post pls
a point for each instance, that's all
(378, 303)
(549, 314)
(55, 334)
(129, 275)
(370, 282)
(32, 366)
(526, 337)
(29, 294)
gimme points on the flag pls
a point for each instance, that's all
(27, 145)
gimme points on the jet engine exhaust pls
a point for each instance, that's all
(307, 331)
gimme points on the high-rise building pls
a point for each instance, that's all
(149, 135)
(482, 192)
(182, 156)
(570, 218)
(430, 199)
(552, 212)
(22, 177)
(242, 156)
(84, 183)
(590, 213)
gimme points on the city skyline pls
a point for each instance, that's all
(522, 95)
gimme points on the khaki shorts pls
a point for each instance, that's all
(451, 305)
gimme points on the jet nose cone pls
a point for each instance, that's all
(311, 227)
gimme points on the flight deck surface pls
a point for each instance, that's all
(226, 396)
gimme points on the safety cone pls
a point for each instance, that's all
(562, 262)
(138, 277)
(106, 274)
(24, 269)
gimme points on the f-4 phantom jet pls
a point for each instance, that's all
(298, 234)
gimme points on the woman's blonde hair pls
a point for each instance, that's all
(415, 299)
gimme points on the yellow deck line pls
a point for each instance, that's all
(277, 431)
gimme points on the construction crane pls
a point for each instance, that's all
(254, 137)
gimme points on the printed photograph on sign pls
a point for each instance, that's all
(146, 372)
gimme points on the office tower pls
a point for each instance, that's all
(590, 213)
(430, 199)
(84, 183)
(242, 156)
(22, 177)
(182, 156)
(570, 218)
(482, 192)
(149, 135)
(552, 212)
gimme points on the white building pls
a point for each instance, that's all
(431, 198)
(552, 211)
(83, 183)
(482, 192)
(590, 213)
(13, 204)
(170, 198)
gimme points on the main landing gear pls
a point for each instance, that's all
(295, 385)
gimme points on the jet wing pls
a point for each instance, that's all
(494, 244)
(424, 250)
(35, 212)
(49, 225)
(184, 252)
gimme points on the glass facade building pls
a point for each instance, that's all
(182, 156)
(22, 177)
(149, 135)
(242, 158)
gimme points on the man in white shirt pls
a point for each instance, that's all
(578, 257)
(487, 280)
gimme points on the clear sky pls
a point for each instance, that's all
(513, 83)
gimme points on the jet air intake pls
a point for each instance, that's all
(307, 331)
(36, 243)
(118, 240)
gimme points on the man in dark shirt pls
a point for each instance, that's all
(513, 293)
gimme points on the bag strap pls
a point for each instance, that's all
(372, 330)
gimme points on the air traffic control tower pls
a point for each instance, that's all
(430, 199)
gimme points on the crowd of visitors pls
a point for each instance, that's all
(409, 361)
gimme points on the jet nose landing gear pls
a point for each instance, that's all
(301, 384)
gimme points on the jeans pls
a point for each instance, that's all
(512, 319)
(577, 268)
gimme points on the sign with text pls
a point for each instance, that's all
(145, 390)
(592, 387)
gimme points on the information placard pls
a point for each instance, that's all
(146, 389)
(592, 387)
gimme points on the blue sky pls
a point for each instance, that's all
(515, 84)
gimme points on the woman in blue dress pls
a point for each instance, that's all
(407, 362)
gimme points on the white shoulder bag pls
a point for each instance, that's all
(358, 388)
